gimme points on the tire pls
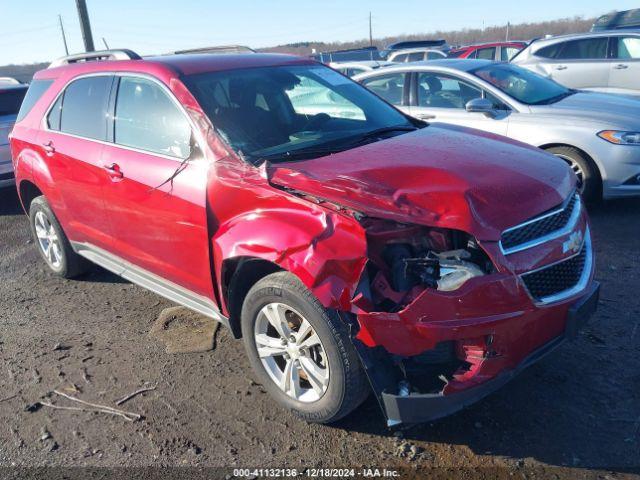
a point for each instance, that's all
(343, 385)
(46, 230)
(589, 181)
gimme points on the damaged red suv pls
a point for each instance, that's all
(352, 248)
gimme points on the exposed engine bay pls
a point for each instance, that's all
(407, 259)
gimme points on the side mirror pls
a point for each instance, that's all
(481, 105)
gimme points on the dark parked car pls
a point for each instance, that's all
(11, 95)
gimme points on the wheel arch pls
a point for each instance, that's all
(27, 191)
(326, 251)
(589, 157)
(239, 274)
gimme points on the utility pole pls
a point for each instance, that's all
(64, 37)
(370, 32)
(85, 26)
(507, 37)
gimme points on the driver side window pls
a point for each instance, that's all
(146, 118)
(442, 91)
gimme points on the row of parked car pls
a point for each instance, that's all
(555, 94)
(607, 61)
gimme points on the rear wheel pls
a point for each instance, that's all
(52, 243)
(300, 351)
(588, 177)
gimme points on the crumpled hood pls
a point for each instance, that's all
(441, 175)
(612, 111)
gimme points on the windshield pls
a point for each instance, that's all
(275, 112)
(521, 84)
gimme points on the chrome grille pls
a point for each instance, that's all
(542, 228)
(562, 279)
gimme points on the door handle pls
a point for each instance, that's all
(113, 169)
(561, 67)
(48, 148)
(621, 66)
(425, 116)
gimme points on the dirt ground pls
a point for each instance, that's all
(576, 413)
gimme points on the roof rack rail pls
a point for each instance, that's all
(218, 49)
(122, 54)
(11, 80)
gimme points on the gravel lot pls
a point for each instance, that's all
(577, 412)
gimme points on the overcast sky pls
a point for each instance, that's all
(30, 33)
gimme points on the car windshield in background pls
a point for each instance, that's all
(521, 84)
(10, 100)
(292, 112)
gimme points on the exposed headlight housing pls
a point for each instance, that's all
(620, 137)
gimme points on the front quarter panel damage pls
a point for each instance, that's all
(325, 249)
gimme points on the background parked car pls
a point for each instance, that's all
(415, 55)
(349, 55)
(499, 51)
(11, 95)
(602, 61)
(433, 44)
(354, 68)
(618, 20)
(597, 134)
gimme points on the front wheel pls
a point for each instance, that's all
(300, 351)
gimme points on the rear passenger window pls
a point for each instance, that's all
(390, 87)
(549, 52)
(507, 53)
(587, 49)
(416, 56)
(53, 120)
(486, 53)
(148, 119)
(82, 108)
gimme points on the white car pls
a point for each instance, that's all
(351, 69)
(597, 134)
(607, 61)
(415, 55)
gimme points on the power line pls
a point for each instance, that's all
(28, 30)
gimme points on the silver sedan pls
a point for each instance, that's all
(597, 134)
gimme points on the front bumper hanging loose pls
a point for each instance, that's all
(420, 407)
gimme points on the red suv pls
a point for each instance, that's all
(498, 51)
(351, 247)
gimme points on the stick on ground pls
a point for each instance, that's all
(137, 392)
(129, 416)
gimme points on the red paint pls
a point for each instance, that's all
(469, 51)
(220, 208)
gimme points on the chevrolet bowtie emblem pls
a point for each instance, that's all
(574, 243)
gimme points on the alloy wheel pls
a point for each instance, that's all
(577, 169)
(48, 240)
(291, 352)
